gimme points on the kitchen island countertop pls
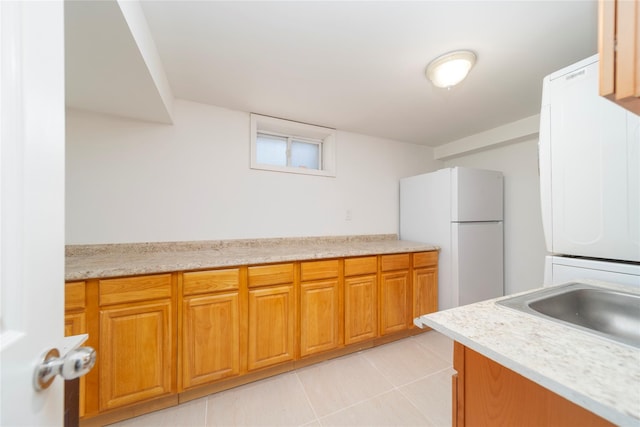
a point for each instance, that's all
(113, 260)
(596, 373)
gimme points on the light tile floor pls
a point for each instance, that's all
(404, 383)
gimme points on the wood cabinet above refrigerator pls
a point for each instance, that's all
(619, 49)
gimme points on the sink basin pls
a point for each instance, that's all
(605, 312)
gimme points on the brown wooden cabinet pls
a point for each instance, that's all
(425, 283)
(75, 318)
(395, 307)
(271, 315)
(619, 52)
(486, 393)
(163, 338)
(320, 307)
(137, 350)
(360, 299)
(210, 341)
(75, 323)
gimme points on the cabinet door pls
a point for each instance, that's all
(394, 312)
(425, 291)
(319, 316)
(271, 326)
(211, 338)
(489, 394)
(75, 323)
(74, 307)
(618, 46)
(135, 353)
(360, 308)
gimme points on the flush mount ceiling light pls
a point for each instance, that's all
(451, 68)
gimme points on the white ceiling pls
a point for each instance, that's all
(355, 66)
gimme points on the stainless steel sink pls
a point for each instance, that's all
(609, 313)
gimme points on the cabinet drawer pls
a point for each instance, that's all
(265, 275)
(199, 282)
(425, 259)
(395, 262)
(131, 289)
(362, 265)
(74, 296)
(315, 270)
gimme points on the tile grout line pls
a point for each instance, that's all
(361, 355)
(426, 376)
(429, 348)
(306, 396)
(405, 395)
(429, 353)
(393, 388)
(398, 388)
(357, 403)
(206, 411)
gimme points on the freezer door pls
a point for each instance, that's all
(477, 195)
(478, 254)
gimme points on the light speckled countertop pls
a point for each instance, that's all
(113, 260)
(598, 374)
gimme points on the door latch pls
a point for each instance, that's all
(74, 364)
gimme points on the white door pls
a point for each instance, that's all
(478, 256)
(31, 206)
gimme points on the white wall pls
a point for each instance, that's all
(133, 181)
(524, 239)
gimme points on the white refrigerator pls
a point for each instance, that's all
(461, 211)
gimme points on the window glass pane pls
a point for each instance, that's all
(271, 150)
(305, 155)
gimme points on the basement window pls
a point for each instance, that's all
(287, 146)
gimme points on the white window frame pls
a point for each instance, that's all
(325, 137)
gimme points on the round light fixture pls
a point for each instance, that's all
(451, 68)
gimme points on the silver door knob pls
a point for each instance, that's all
(75, 364)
